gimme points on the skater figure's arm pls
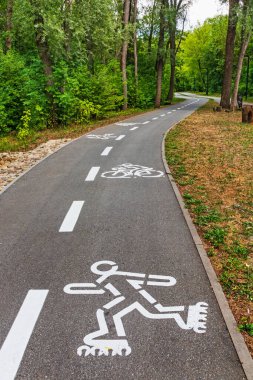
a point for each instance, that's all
(83, 288)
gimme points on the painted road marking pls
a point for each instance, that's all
(155, 118)
(72, 216)
(132, 171)
(92, 173)
(18, 337)
(174, 110)
(106, 136)
(126, 124)
(120, 137)
(106, 151)
(147, 296)
(100, 343)
(133, 129)
(179, 108)
(168, 113)
(146, 122)
(163, 115)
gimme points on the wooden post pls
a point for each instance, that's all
(247, 114)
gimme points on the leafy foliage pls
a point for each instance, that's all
(63, 63)
(20, 92)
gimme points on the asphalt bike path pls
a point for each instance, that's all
(100, 277)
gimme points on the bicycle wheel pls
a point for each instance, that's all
(149, 173)
(115, 174)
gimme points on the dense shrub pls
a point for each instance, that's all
(81, 96)
(21, 92)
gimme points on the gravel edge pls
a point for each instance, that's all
(5, 188)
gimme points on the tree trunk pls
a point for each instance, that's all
(239, 71)
(135, 50)
(151, 28)
(176, 7)
(43, 48)
(44, 54)
(160, 56)
(230, 43)
(159, 71)
(8, 41)
(172, 64)
(126, 14)
(246, 33)
(66, 27)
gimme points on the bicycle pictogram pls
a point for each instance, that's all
(132, 171)
(102, 341)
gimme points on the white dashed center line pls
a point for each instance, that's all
(72, 216)
(154, 118)
(92, 173)
(120, 137)
(146, 122)
(163, 115)
(133, 129)
(168, 113)
(106, 151)
(16, 341)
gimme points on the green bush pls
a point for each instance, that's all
(81, 96)
(216, 236)
(21, 91)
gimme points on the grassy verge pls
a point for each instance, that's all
(211, 158)
(11, 143)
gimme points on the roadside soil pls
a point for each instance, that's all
(210, 155)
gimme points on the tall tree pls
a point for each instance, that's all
(203, 49)
(41, 41)
(135, 41)
(230, 44)
(246, 33)
(177, 11)
(126, 15)
(67, 10)
(151, 28)
(9, 26)
(160, 60)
